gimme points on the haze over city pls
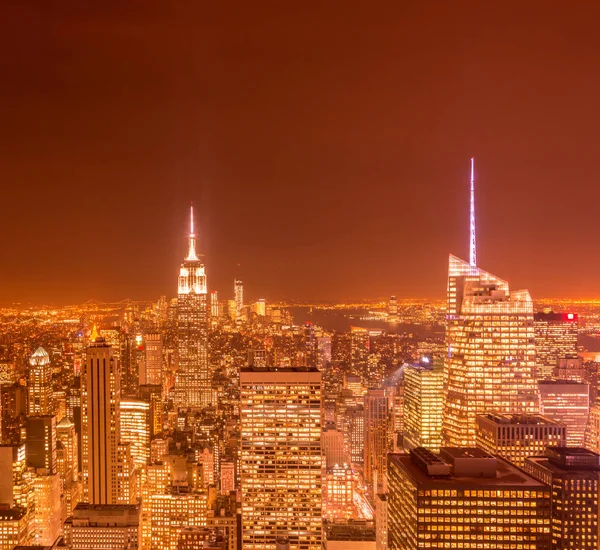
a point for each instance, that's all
(326, 150)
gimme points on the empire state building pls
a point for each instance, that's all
(193, 379)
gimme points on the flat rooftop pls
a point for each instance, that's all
(514, 419)
(506, 475)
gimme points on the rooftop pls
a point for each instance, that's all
(529, 419)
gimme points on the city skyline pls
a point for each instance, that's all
(308, 141)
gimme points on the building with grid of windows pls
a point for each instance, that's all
(281, 457)
(572, 473)
(567, 402)
(464, 498)
(555, 338)
(490, 340)
(423, 405)
(516, 437)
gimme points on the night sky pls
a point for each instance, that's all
(325, 146)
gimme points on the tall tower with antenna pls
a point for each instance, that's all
(193, 382)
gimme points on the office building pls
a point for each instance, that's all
(392, 309)
(13, 527)
(238, 292)
(568, 403)
(555, 338)
(334, 448)
(592, 430)
(573, 475)
(101, 426)
(39, 388)
(48, 507)
(423, 405)
(464, 498)
(377, 432)
(381, 521)
(40, 445)
(281, 457)
(194, 375)
(517, 437)
(490, 364)
(135, 429)
(104, 527)
(154, 359)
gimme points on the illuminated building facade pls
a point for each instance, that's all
(392, 309)
(193, 379)
(68, 464)
(592, 430)
(281, 457)
(40, 383)
(334, 448)
(572, 473)
(104, 527)
(377, 434)
(354, 431)
(464, 498)
(135, 429)
(154, 359)
(423, 405)
(101, 426)
(381, 521)
(13, 527)
(339, 485)
(238, 292)
(517, 437)
(555, 338)
(47, 514)
(490, 363)
(359, 351)
(567, 403)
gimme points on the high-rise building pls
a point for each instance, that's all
(68, 464)
(392, 310)
(214, 304)
(573, 474)
(260, 307)
(377, 437)
(238, 292)
(490, 342)
(359, 351)
(154, 359)
(555, 338)
(423, 405)
(334, 448)
(490, 363)
(592, 430)
(568, 403)
(464, 498)
(40, 446)
(135, 429)
(40, 383)
(354, 432)
(516, 437)
(47, 508)
(281, 457)
(381, 521)
(570, 368)
(104, 527)
(194, 376)
(101, 426)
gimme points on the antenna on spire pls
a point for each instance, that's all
(192, 256)
(472, 245)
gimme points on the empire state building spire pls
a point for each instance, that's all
(192, 256)
(472, 245)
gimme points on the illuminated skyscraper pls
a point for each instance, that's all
(573, 475)
(238, 290)
(568, 403)
(194, 377)
(214, 304)
(101, 426)
(423, 405)
(154, 359)
(392, 310)
(555, 338)
(464, 498)
(135, 429)
(490, 363)
(40, 383)
(281, 457)
(377, 437)
(517, 437)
